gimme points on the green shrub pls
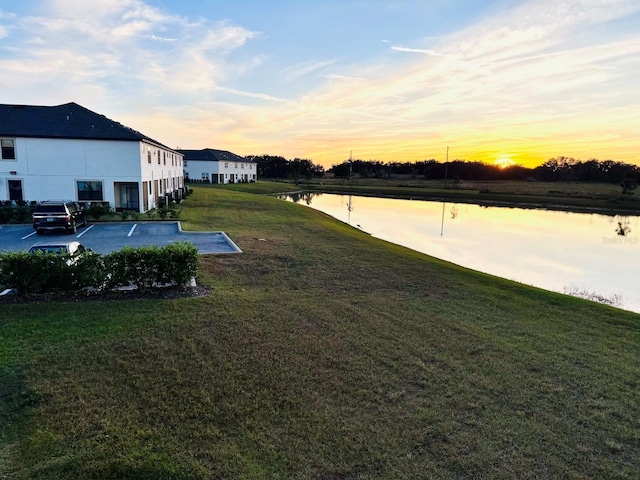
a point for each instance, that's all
(175, 213)
(130, 215)
(97, 210)
(5, 213)
(163, 212)
(144, 267)
(16, 213)
(178, 263)
(152, 266)
(89, 272)
(29, 273)
(131, 266)
(20, 214)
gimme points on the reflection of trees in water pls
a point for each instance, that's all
(307, 197)
(298, 197)
(622, 230)
(623, 226)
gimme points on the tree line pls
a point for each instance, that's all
(562, 169)
(272, 166)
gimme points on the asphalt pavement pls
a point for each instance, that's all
(108, 237)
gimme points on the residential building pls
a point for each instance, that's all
(70, 152)
(217, 166)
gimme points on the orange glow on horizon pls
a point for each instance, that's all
(504, 161)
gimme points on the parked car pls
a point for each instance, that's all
(74, 250)
(58, 214)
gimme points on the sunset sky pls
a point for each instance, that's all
(389, 80)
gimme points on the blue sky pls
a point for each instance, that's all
(500, 80)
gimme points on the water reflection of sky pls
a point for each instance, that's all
(548, 249)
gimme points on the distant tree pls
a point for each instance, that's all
(628, 186)
(271, 166)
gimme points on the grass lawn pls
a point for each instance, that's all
(320, 353)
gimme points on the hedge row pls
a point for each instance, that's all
(144, 267)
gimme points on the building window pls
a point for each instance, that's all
(8, 148)
(164, 158)
(205, 176)
(158, 152)
(185, 163)
(243, 165)
(88, 191)
(226, 164)
(236, 165)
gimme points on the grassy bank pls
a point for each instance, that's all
(321, 352)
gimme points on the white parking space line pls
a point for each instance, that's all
(27, 236)
(132, 229)
(84, 231)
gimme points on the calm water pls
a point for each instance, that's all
(557, 251)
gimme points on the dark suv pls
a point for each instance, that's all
(55, 214)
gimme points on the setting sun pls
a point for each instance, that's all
(504, 161)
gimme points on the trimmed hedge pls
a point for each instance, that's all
(144, 267)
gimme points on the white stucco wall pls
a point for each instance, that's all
(232, 171)
(165, 165)
(50, 168)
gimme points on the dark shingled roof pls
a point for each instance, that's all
(211, 155)
(64, 121)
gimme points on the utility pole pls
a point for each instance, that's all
(349, 207)
(350, 168)
(446, 168)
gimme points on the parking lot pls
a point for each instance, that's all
(108, 237)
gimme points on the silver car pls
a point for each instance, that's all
(74, 250)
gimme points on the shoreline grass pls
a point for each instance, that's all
(320, 353)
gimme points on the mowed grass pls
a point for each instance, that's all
(321, 352)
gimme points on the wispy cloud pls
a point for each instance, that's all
(308, 67)
(260, 96)
(425, 51)
(127, 48)
(344, 78)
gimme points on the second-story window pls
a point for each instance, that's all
(8, 148)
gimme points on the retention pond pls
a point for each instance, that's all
(589, 255)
